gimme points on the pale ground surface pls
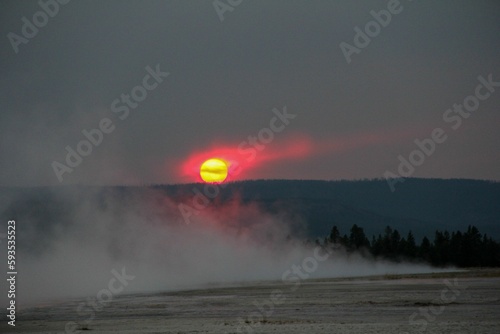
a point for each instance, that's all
(363, 305)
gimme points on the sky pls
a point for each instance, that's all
(207, 75)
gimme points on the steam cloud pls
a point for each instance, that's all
(99, 230)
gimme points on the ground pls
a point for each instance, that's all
(458, 302)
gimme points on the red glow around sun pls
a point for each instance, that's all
(243, 159)
(246, 160)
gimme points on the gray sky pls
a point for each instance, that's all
(225, 77)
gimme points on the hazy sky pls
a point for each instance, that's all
(225, 78)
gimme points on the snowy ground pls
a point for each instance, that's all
(429, 303)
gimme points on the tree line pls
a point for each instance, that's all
(462, 249)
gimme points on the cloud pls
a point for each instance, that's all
(104, 229)
(252, 155)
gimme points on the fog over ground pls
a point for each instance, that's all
(230, 243)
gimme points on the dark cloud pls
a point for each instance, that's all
(225, 78)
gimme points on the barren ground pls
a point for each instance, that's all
(459, 302)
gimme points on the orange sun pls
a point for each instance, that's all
(213, 170)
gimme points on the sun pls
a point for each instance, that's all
(213, 170)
